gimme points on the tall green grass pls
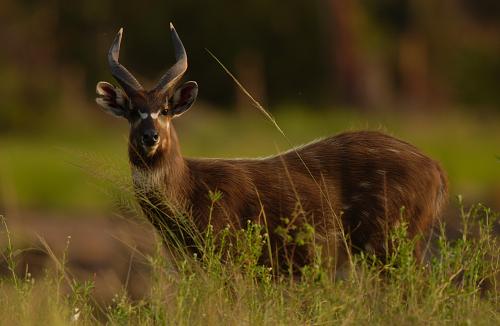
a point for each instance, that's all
(458, 284)
(224, 282)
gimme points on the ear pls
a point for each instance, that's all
(112, 99)
(183, 98)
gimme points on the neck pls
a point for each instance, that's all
(162, 185)
(163, 172)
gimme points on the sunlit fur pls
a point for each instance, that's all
(353, 188)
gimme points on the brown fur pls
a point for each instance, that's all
(353, 188)
(355, 183)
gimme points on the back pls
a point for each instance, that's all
(367, 180)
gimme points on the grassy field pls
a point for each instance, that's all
(73, 167)
(459, 285)
(53, 169)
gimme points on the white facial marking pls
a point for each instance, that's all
(144, 115)
(154, 116)
(150, 150)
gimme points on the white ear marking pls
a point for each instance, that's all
(102, 102)
(100, 87)
(154, 116)
(113, 100)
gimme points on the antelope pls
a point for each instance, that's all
(352, 188)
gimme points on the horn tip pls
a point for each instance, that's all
(172, 27)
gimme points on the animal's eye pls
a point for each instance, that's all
(164, 111)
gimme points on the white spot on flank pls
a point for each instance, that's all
(143, 115)
(364, 185)
(155, 115)
(399, 188)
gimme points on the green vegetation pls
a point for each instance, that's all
(431, 68)
(55, 170)
(458, 285)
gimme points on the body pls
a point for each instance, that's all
(348, 191)
(353, 189)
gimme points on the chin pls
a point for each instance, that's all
(149, 150)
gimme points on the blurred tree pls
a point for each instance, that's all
(347, 60)
(360, 52)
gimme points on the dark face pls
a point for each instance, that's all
(149, 120)
(149, 114)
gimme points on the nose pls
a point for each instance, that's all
(150, 137)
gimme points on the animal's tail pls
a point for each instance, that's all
(440, 201)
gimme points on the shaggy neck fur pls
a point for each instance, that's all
(162, 175)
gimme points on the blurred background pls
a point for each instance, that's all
(424, 71)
